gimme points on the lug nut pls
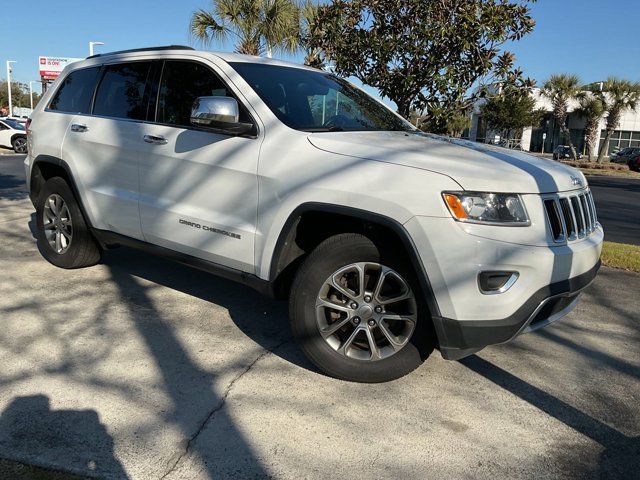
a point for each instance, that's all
(355, 320)
(372, 323)
(367, 298)
(354, 305)
(378, 309)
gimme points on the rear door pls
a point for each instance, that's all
(106, 146)
(198, 187)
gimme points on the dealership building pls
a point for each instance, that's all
(546, 136)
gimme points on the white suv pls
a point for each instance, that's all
(388, 242)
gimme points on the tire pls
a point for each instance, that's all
(77, 247)
(19, 145)
(313, 278)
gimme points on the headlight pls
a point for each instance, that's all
(487, 208)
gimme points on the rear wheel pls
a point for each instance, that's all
(19, 145)
(356, 311)
(62, 233)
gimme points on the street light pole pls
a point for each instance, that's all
(91, 45)
(31, 82)
(9, 62)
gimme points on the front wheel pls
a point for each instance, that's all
(357, 312)
(19, 145)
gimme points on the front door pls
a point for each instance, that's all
(198, 188)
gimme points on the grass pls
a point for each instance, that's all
(607, 168)
(621, 255)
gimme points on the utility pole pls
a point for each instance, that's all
(9, 62)
(31, 82)
(91, 45)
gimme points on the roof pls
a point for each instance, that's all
(227, 57)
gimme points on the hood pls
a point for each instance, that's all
(475, 166)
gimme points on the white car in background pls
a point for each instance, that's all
(13, 134)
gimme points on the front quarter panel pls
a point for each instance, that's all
(292, 172)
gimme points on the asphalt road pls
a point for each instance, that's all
(617, 199)
(618, 206)
(142, 368)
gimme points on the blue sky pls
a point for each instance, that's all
(593, 38)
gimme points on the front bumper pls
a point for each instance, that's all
(460, 338)
(550, 280)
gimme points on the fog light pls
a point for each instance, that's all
(491, 283)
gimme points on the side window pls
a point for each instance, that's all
(121, 93)
(183, 82)
(76, 91)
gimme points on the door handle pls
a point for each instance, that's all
(77, 127)
(155, 139)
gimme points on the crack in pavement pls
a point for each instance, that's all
(220, 405)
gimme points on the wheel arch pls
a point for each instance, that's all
(45, 167)
(340, 219)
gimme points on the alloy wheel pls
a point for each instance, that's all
(20, 145)
(366, 311)
(58, 228)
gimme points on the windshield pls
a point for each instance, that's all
(14, 124)
(314, 101)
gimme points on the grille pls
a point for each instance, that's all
(571, 217)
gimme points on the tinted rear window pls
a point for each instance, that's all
(76, 91)
(121, 93)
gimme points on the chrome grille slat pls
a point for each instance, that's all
(571, 216)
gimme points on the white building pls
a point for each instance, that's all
(546, 136)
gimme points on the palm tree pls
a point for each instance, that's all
(313, 56)
(619, 96)
(257, 26)
(560, 89)
(591, 108)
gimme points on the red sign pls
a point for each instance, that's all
(51, 67)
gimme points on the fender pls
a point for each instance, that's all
(49, 159)
(366, 216)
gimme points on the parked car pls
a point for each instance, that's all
(634, 162)
(387, 241)
(13, 135)
(563, 151)
(624, 155)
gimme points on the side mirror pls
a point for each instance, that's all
(219, 113)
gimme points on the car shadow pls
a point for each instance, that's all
(258, 317)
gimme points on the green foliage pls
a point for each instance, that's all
(19, 95)
(618, 96)
(257, 26)
(560, 89)
(313, 56)
(423, 54)
(510, 112)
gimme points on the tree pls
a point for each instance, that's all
(19, 95)
(257, 26)
(313, 56)
(511, 111)
(619, 96)
(422, 54)
(560, 89)
(591, 108)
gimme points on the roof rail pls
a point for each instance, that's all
(146, 49)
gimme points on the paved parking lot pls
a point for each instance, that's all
(142, 368)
